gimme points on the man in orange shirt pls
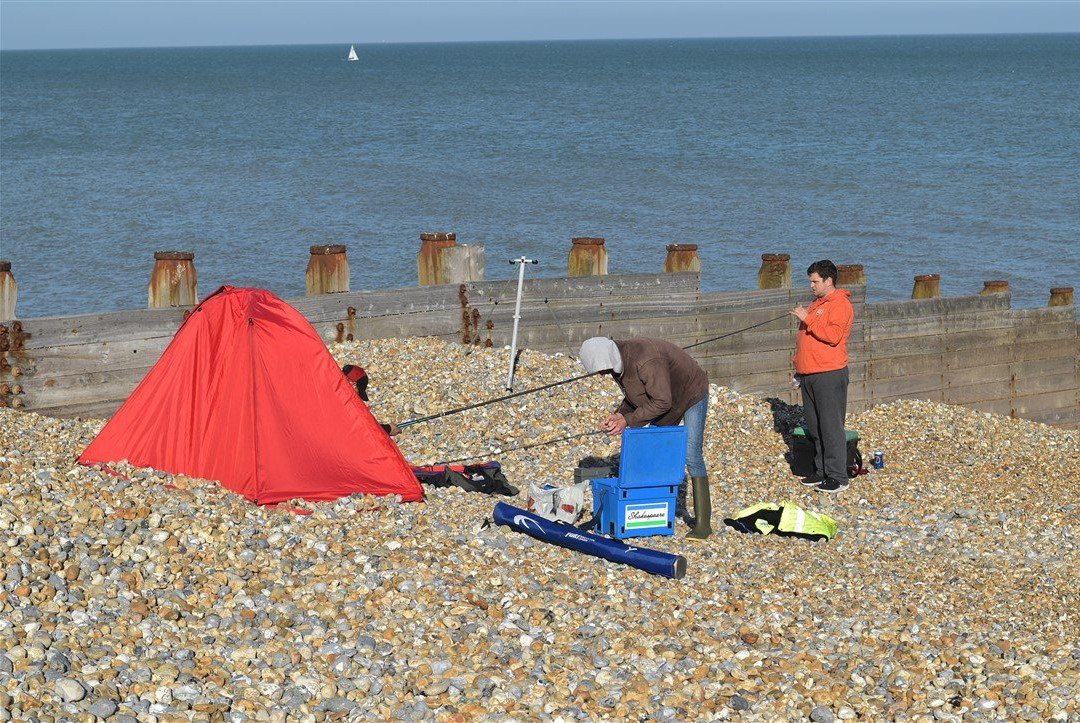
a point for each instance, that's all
(821, 369)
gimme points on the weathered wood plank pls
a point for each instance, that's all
(94, 410)
(566, 311)
(976, 356)
(905, 346)
(660, 300)
(766, 383)
(941, 306)
(1035, 350)
(903, 328)
(988, 320)
(1038, 316)
(334, 307)
(1003, 352)
(682, 331)
(989, 374)
(881, 369)
(1067, 417)
(89, 388)
(93, 328)
(76, 359)
(967, 329)
(915, 385)
(967, 394)
(1048, 402)
(734, 366)
(1042, 367)
(993, 406)
(1046, 332)
(1029, 384)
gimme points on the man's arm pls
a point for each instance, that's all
(833, 326)
(657, 402)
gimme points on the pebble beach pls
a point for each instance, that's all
(949, 592)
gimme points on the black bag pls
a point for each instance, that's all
(486, 477)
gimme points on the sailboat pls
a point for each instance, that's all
(352, 53)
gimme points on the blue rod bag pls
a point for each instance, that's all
(653, 561)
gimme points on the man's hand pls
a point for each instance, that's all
(613, 424)
(799, 311)
(394, 430)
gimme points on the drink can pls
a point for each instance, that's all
(879, 460)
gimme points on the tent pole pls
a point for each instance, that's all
(517, 317)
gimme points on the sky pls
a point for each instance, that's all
(54, 24)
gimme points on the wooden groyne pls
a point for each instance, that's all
(975, 351)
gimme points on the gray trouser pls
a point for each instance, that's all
(824, 398)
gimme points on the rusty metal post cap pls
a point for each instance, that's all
(5, 266)
(587, 241)
(326, 250)
(174, 255)
(438, 236)
(682, 247)
(1061, 296)
(928, 277)
(776, 257)
(996, 285)
(849, 267)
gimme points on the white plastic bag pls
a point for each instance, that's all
(558, 504)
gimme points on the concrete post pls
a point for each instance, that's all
(849, 274)
(327, 270)
(173, 281)
(997, 286)
(1061, 296)
(927, 286)
(682, 257)
(9, 291)
(462, 263)
(429, 260)
(775, 272)
(588, 257)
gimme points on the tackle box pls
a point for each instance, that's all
(640, 501)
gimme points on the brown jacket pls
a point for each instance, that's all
(660, 381)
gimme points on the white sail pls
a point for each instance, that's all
(352, 53)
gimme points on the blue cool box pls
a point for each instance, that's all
(641, 500)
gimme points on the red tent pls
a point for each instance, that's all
(248, 394)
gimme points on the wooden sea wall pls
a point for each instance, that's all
(974, 351)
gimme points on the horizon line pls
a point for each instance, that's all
(552, 40)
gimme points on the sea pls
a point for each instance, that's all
(955, 155)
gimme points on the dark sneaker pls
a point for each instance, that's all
(833, 485)
(812, 480)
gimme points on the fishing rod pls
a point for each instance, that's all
(738, 331)
(522, 448)
(410, 422)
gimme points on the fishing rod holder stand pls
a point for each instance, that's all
(517, 317)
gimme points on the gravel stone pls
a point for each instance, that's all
(103, 709)
(70, 691)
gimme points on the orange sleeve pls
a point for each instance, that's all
(833, 326)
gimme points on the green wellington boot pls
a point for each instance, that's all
(702, 508)
(681, 512)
